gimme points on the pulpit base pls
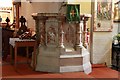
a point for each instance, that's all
(50, 61)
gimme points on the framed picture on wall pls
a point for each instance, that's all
(103, 15)
(117, 12)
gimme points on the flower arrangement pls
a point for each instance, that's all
(118, 37)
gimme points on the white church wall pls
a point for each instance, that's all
(37, 7)
(102, 46)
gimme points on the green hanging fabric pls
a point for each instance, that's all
(73, 13)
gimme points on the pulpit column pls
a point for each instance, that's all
(61, 33)
(37, 22)
(85, 42)
(62, 38)
(40, 31)
(79, 30)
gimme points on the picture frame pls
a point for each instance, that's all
(103, 15)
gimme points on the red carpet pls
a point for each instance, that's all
(25, 71)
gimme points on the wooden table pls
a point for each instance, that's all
(16, 42)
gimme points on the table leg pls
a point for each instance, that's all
(34, 58)
(11, 56)
(27, 52)
(15, 57)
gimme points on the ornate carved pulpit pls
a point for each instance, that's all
(59, 44)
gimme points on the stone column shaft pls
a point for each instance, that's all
(61, 35)
(85, 42)
(61, 32)
(79, 29)
(79, 32)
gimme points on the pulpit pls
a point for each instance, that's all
(59, 44)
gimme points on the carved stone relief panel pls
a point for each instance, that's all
(70, 35)
(51, 31)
